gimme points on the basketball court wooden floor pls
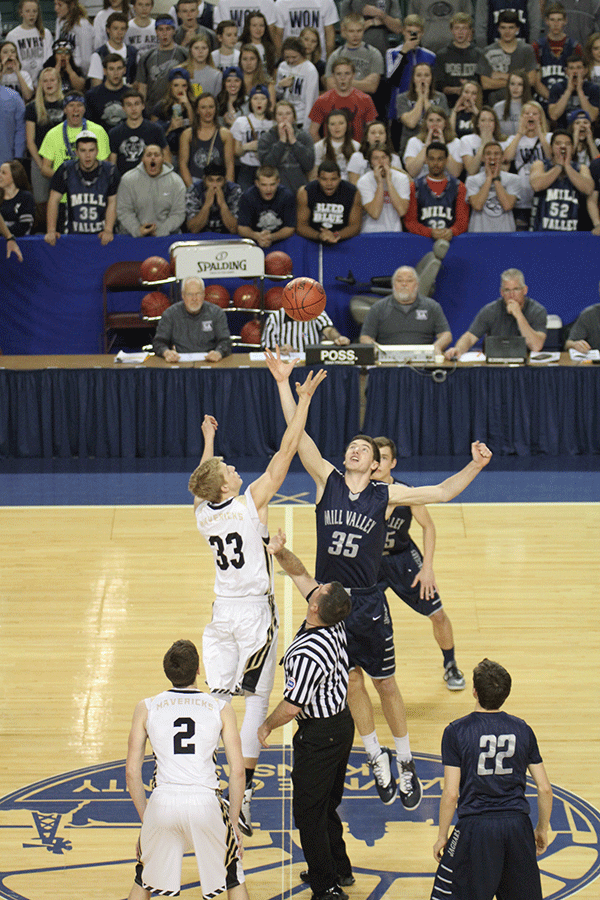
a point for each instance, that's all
(90, 599)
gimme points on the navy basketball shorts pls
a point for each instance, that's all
(489, 856)
(370, 634)
(398, 571)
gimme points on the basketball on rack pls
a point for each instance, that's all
(217, 294)
(274, 297)
(304, 299)
(247, 296)
(251, 332)
(155, 268)
(278, 263)
(154, 304)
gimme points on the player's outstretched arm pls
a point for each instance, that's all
(425, 577)
(291, 565)
(265, 487)
(235, 760)
(447, 807)
(209, 429)
(310, 455)
(448, 489)
(544, 792)
(136, 747)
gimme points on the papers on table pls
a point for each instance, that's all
(192, 357)
(544, 357)
(259, 356)
(135, 358)
(472, 356)
(592, 355)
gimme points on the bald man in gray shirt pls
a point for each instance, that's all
(406, 316)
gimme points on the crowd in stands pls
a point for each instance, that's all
(253, 117)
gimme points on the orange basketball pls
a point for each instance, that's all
(247, 296)
(251, 332)
(304, 299)
(154, 304)
(155, 268)
(274, 297)
(278, 263)
(217, 294)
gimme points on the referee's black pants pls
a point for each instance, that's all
(321, 751)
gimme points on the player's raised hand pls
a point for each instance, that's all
(280, 369)
(209, 426)
(481, 454)
(313, 380)
(276, 542)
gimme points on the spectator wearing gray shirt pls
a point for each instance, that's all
(368, 61)
(511, 315)
(382, 18)
(406, 316)
(192, 326)
(504, 56)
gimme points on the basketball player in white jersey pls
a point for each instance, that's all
(185, 809)
(239, 645)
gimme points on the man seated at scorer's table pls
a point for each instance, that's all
(406, 316)
(511, 315)
(192, 326)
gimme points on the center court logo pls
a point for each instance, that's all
(64, 834)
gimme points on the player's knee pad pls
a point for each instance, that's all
(257, 707)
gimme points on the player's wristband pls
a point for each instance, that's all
(11, 237)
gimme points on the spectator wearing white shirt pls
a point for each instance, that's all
(101, 19)
(487, 128)
(141, 32)
(292, 16)
(384, 193)
(297, 80)
(376, 135)
(434, 127)
(338, 144)
(33, 41)
(226, 55)
(11, 74)
(72, 24)
(239, 10)
(246, 131)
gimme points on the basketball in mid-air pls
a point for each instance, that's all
(155, 268)
(217, 294)
(247, 296)
(278, 263)
(274, 297)
(304, 299)
(154, 304)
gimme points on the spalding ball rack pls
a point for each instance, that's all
(212, 260)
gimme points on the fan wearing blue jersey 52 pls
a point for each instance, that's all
(351, 527)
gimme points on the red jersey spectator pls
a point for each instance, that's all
(438, 207)
(343, 96)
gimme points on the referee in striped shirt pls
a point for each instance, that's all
(288, 334)
(315, 694)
